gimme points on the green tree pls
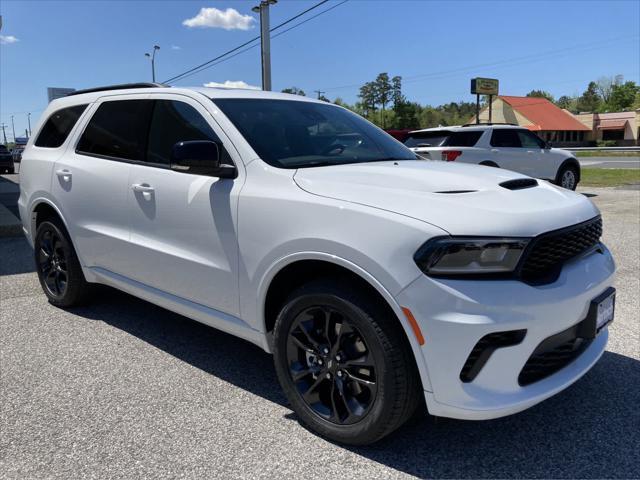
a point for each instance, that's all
(294, 91)
(623, 96)
(382, 93)
(396, 92)
(590, 100)
(540, 94)
(368, 99)
(566, 102)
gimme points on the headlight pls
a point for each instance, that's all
(450, 256)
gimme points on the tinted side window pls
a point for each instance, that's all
(58, 125)
(174, 122)
(503, 137)
(463, 139)
(118, 129)
(530, 140)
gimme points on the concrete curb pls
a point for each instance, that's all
(10, 225)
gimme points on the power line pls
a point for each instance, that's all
(514, 61)
(209, 63)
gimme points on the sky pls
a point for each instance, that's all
(436, 46)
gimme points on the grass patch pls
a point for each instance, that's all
(605, 177)
(585, 153)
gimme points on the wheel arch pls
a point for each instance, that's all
(569, 162)
(40, 210)
(297, 269)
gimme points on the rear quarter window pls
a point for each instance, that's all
(463, 139)
(427, 139)
(58, 126)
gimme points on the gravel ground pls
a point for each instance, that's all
(124, 389)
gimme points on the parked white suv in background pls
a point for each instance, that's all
(375, 278)
(498, 145)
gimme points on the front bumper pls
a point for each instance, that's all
(455, 314)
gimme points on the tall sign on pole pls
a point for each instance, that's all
(265, 41)
(484, 86)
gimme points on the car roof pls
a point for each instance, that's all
(210, 92)
(467, 128)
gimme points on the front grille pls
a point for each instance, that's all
(546, 253)
(553, 354)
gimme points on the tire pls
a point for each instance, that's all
(58, 268)
(567, 177)
(11, 170)
(370, 363)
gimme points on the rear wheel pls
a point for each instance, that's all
(58, 267)
(568, 178)
(344, 363)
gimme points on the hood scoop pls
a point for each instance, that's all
(457, 191)
(519, 183)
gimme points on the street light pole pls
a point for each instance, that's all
(29, 121)
(13, 128)
(4, 134)
(152, 56)
(265, 41)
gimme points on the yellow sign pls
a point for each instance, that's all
(484, 86)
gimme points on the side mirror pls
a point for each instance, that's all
(200, 157)
(548, 145)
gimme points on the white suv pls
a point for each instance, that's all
(497, 145)
(376, 279)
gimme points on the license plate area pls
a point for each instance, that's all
(601, 312)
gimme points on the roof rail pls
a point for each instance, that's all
(121, 86)
(490, 123)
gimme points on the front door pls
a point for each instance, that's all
(183, 226)
(506, 151)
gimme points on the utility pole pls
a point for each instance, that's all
(265, 41)
(13, 128)
(29, 120)
(319, 92)
(152, 56)
(4, 134)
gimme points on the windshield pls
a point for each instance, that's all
(299, 134)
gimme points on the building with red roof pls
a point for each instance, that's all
(550, 122)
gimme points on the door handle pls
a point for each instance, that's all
(141, 187)
(64, 174)
(495, 150)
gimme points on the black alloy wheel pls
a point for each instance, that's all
(344, 362)
(52, 263)
(331, 365)
(58, 267)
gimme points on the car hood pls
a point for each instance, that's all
(462, 199)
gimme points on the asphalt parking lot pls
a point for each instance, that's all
(124, 389)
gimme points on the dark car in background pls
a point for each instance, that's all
(6, 160)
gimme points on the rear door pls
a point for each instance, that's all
(507, 152)
(183, 226)
(90, 180)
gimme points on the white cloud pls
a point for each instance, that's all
(229, 19)
(232, 84)
(7, 39)
(176, 47)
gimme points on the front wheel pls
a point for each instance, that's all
(568, 178)
(344, 363)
